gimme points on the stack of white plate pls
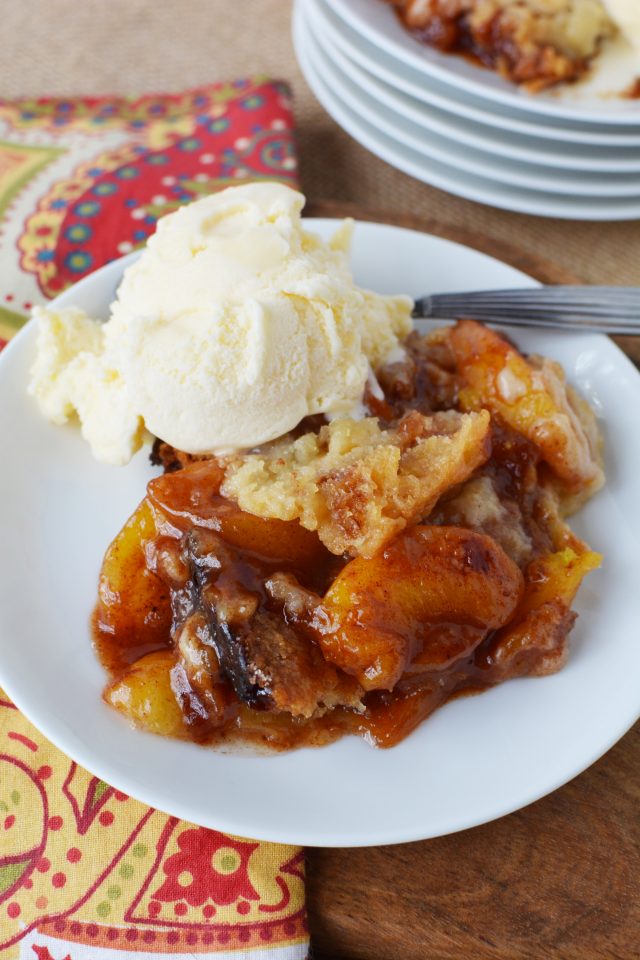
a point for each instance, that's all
(464, 129)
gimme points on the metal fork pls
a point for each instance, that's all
(596, 309)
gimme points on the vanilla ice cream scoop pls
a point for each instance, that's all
(234, 324)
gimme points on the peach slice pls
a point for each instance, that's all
(189, 498)
(409, 598)
(531, 398)
(145, 696)
(535, 642)
(134, 606)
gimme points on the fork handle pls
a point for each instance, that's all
(592, 308)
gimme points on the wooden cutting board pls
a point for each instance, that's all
(559, 879)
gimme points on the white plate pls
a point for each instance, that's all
(443, 174)
(452, 101)
(529, 149)
(474, 760)
(435, 144)
(377, 21)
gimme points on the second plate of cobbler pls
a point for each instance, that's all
(309, 533)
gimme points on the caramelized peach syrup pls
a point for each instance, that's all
(217, 625)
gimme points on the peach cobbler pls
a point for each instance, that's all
(354, 575)
(534, 42)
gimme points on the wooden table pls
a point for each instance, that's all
(559, 879)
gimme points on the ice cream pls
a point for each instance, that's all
(234, 324)
(626, 15)
(73, 374)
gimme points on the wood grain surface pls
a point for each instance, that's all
(559, 879)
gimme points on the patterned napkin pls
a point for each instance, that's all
(86, 873)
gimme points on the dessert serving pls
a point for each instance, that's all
(537, 43)
(355, 522)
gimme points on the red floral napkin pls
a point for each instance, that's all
(86, 873)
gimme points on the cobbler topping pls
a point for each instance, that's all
(357, 484)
